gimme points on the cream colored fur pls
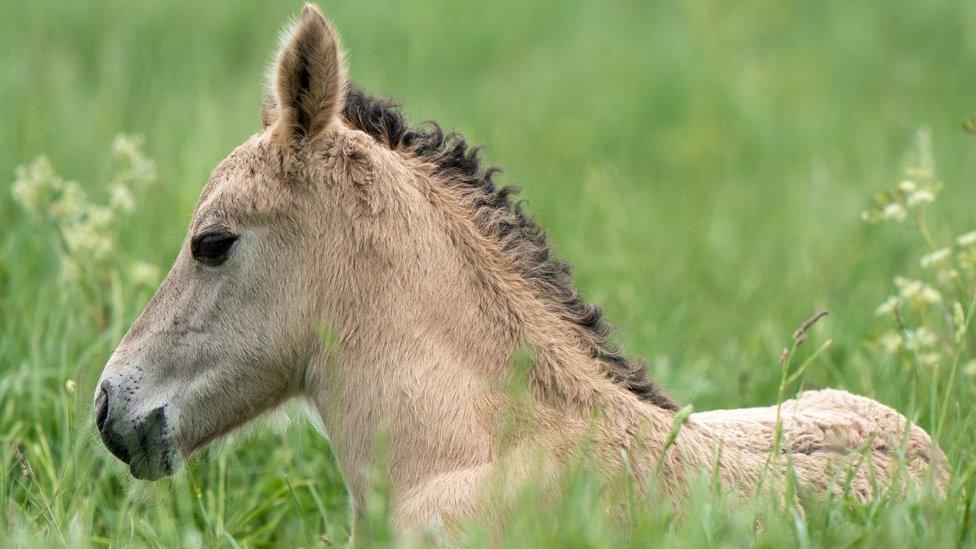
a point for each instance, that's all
(342, 238)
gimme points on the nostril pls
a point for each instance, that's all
(101, 405)
(106, 427)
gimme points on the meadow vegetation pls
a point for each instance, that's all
(708, 167)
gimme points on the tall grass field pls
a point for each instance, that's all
(715, 171)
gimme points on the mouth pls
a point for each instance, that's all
(143, 445)
(153, 455)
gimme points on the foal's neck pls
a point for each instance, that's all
(433, 393)
(419, 377)
(425, 368)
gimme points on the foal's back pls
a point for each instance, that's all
(833, 439)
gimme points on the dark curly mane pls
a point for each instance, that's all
(502, 219)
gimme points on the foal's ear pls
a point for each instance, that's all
(309, 80)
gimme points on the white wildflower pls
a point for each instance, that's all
(888, 306)
(71, 205)
(140, 170)
(947, 276)
(967, 239)
(36, 186)
(890, 342)
(126, 146)
(967, 258)
(930, 295)
(144, 274)
(934, 258)
(920, 197)
(907, 287)
(121, 198)
(930, 359)
(82, 232)
(90, 237)
(920, 338)
(907, 186)
(925, 337)
(958, 320)
(70, 386)
(917, 292)
(894, 211)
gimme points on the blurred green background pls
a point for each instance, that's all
(703, 165)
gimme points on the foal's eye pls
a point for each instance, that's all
(212, 248)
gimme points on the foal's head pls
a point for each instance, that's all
(232, 328)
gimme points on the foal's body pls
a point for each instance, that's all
(375, 269)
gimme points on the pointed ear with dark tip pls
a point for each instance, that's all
(309, 80)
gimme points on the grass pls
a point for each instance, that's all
(702, 164)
